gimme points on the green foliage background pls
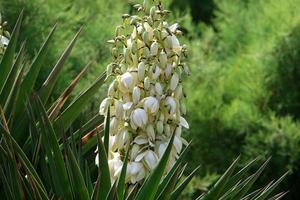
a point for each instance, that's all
(244, 92)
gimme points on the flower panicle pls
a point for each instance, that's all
(146, 97)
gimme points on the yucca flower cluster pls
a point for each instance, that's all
(4, 36)
(146, 97)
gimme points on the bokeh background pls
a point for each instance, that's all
(243, 95)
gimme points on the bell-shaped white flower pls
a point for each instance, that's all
(155, 72)
(177, 144)
(119, 109)
(150, 159)
(174, 81)
(126, 82)
(139, 117)
(184, 123)
(113, 126)
(104, 106)
(136, 94)
(151, 105)
(135, 172)
(171, 104)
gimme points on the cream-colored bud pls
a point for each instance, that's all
(184, 123)
(123, 68)
(168, 70)
(146, 37)
(178, 92)
(159, 127)
(149, 29)
(139, 117)
(134, 151)
(182, 108)
(167, 129)
(186, 69)
(147, 83)
(141, 71)
(163, 59)
(177, 144)
(151, 105)
(111, 89)
(119, 109)
(146, 52)
(174, 81)
(178, 131)
(109, 69)
(154, 48)
(136, 94)
(150, 132)
(158, 88)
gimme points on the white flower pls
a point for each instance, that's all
(139, 117)
(122, 138)
(135, 172)
(151, 105)
(178, 92)
(184, 123)
(177, 144)
(174, 27)
(140, 140)
(115, 166)
(136, 94)
(150, 159)
(174, 81)
(161, 149)
(168, 70)
(119, 109)
(171, 104)
(156, 72)
(174, 44)
(127, 106)
(104, 106)
(126, 82)
(113, 126)
(3, 40)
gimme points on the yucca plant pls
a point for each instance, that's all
(43, 158)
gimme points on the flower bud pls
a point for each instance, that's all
(119, 109)
(136, 94)
(174, 81)
(159, 127)
(182, 108)
(150, 132)
(158, 88)
(184, 123)
(154, 48)
(163, 59)
(178, 92)
(141, 71)
(139, 117)
(111, 89)
(147, 83)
